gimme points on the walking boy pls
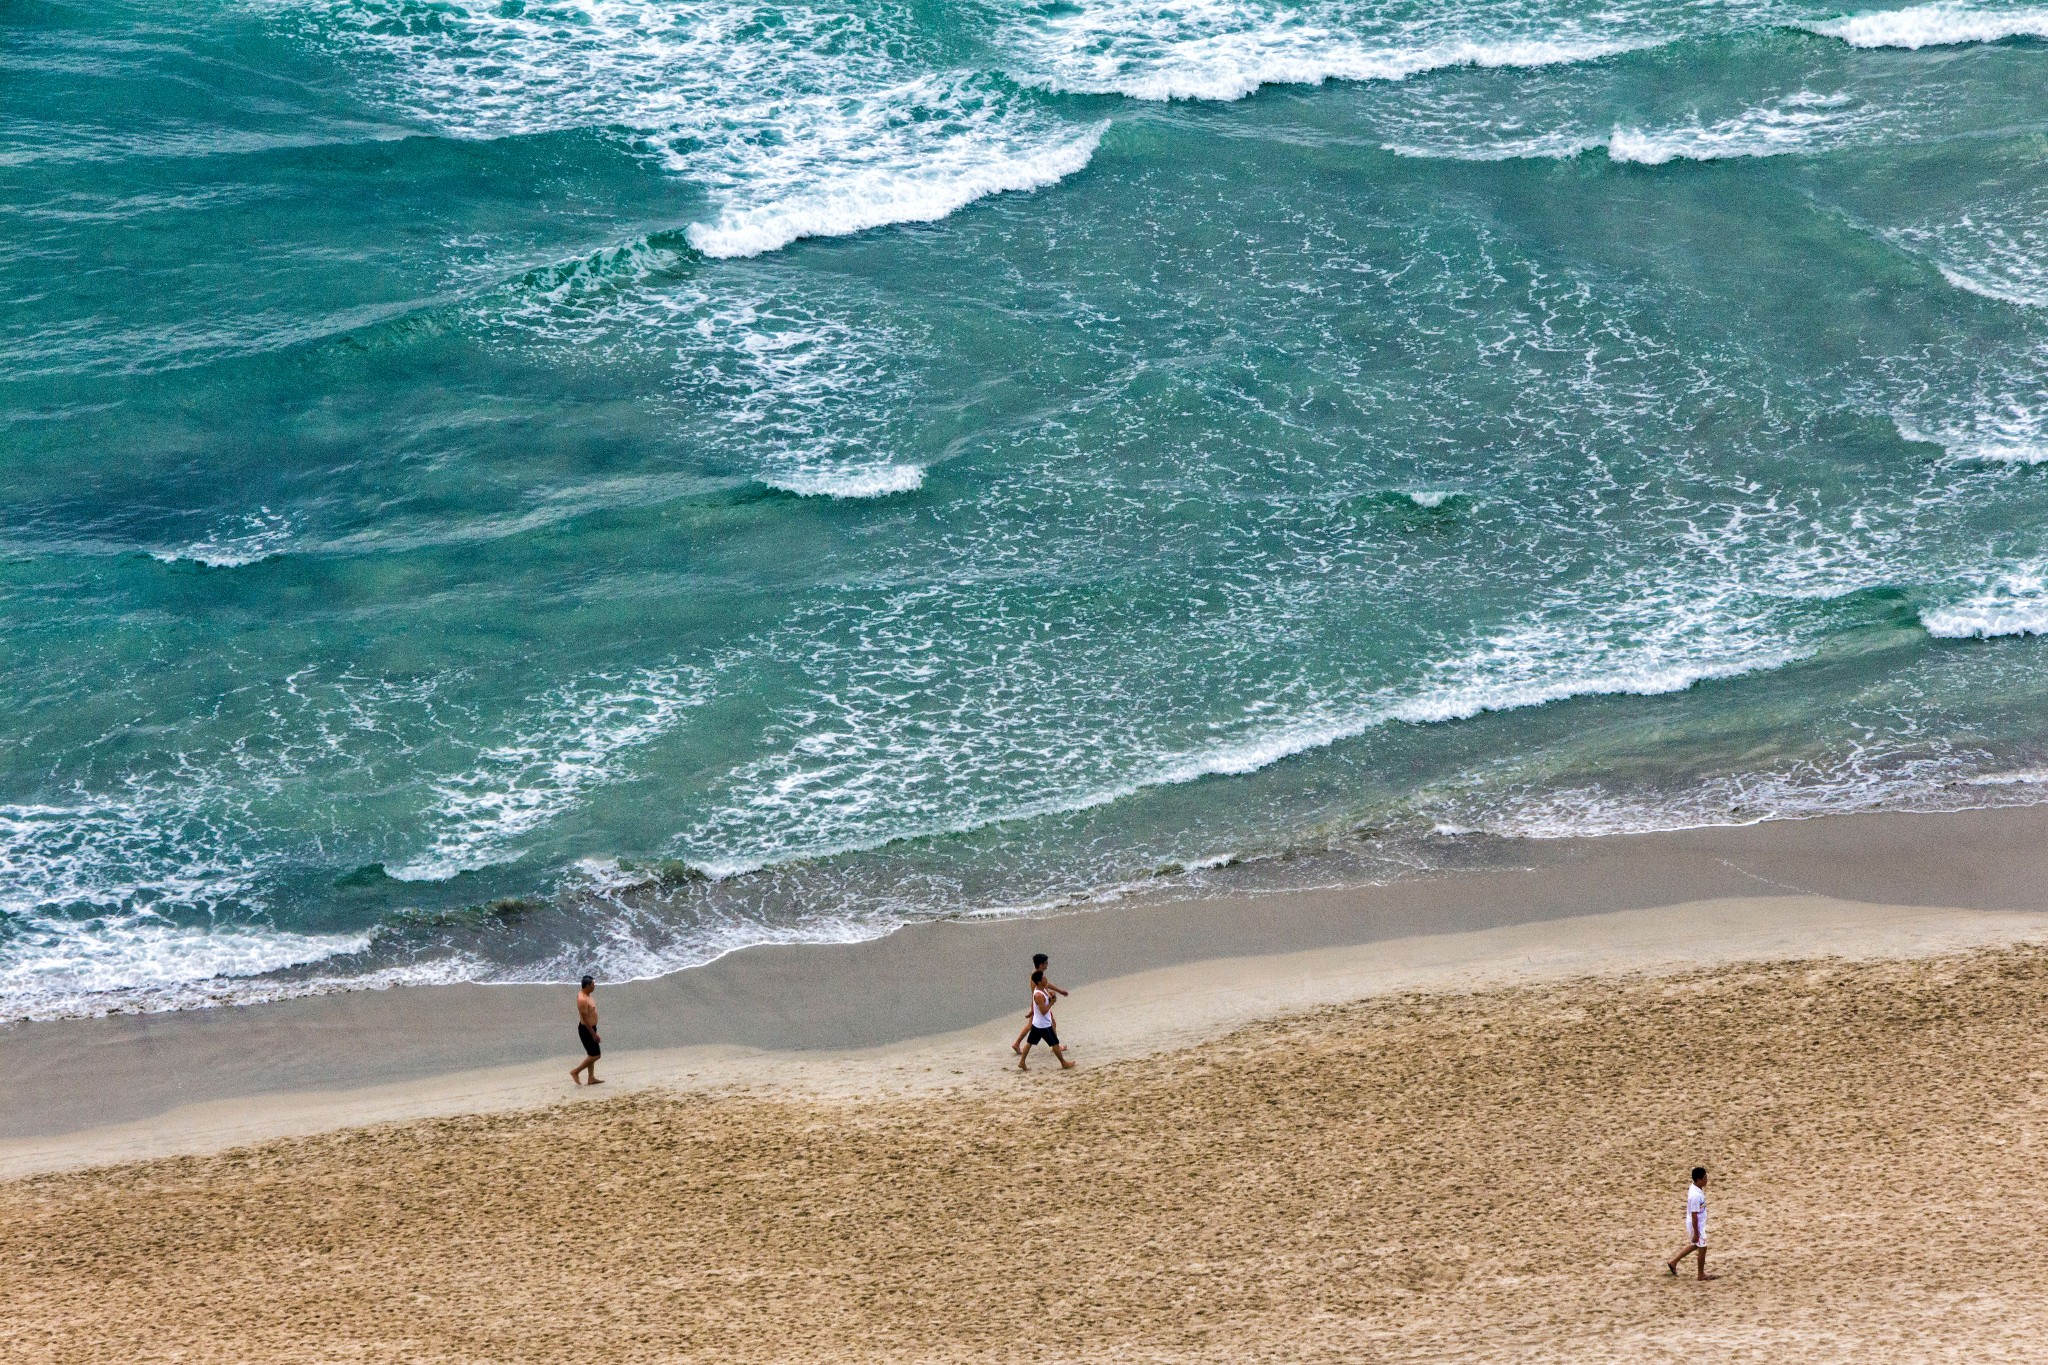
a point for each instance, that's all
(1038, 961)
(1042, 1029)
(1695, 1225)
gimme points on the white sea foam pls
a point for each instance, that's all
(578, 737)
(800, 122)
(1937, 25)
(1865, 778)
(845, 763)
(2010, 433)
(1561, 144)
(2031, 778)
(2033, 295)
(826, 392)
(2002, 256)
(55, 967)
(244, 540)
(882, 481)
(120, 854)
(1429, 499)
(1804, 122)
(110, 898)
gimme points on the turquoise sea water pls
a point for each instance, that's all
(489, 492)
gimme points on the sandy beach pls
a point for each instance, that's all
(1468, 1144)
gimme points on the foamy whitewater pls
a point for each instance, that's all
(495, 491)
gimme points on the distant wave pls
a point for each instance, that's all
(818, 124)
(1558, 145)
(1936, 25)
(1144, 52)
(605, 269)
(82, 348)
(1800, 123)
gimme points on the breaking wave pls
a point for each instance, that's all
(2014, 602)
(884, 481)
(1221, 51)
(1804, 122)
(800, 122)
(1936, 25)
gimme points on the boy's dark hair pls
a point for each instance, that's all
(1039, 960)
(1038, 978)
(1699, 1173)
(588, 982)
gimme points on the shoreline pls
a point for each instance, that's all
(932, 1004)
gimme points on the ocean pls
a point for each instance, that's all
(490, 492)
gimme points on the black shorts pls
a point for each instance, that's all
(589, 1040)
(1042, 1035)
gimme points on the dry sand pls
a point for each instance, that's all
(1432, 1175)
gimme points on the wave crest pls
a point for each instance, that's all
(799, 123)
(1803, 122)
(2014, 603)
(1799, 123)
(920, 179)
(1936, 25)
(1221, 53)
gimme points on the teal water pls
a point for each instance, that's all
(495, 492)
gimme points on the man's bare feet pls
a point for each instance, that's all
(1710, 1277)
(576, 1078)
(595, 1081)
(1066, 1065)
(1021, 1066)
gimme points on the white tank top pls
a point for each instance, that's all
(1041, 1009)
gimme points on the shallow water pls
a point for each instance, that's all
(494, 492)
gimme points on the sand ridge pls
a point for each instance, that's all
(1477, 1175)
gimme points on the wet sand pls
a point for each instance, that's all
(1425, 1175)
(94, 1090)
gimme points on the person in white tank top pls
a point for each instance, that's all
(1042, 1030)
(1039, 963)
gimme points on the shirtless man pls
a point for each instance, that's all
(1038, 961)
(586, 1033)
(1042, 1029)
(1695, 1225)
